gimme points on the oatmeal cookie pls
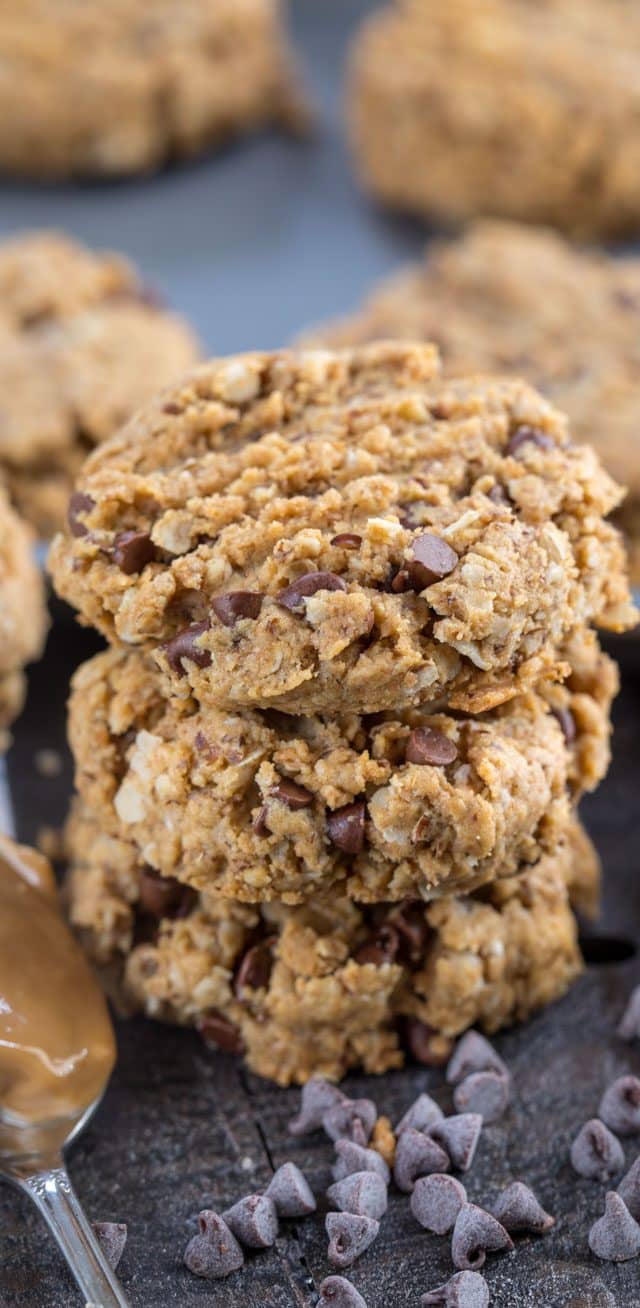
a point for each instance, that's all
(523, 109)
(82, 344)
(119, 86)
(23, 620)
(331, 985)
(507, 298)
(337, 533)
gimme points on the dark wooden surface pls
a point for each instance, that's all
(181, 1128)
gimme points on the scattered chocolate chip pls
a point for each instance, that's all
(401, 582)
(417, 1155)
(381, 948)
(615, 1237)
(620, 1106)
(112, 1237)
(363, 1193)
(172, 407)
(259, 824)
(431, 560)
(349, 1236)
(184, 646)
(215, 1252)
(473, 1053)
(517, 1209)
(351, 1119)
(629, 1189)
(427, 746)
(596, 1152)
(352, 1157)
(422, 1114)
(293, 596)
(428, 1046)
(254, 1221)
(79, 503)
(347, 540)
(475, 1234)
(486, 1093)
(317, 1096)
(237, 604)
(254, 969)
(459, 1136)
(291, 1192)
(163, 896)
(629, 1027)
(522, 435)
(436, 1201)
(464, 1290)
(216, 1029)
(567, 724)
(132, 550)
(409, 920)
(345, 827)
(289, 793)
(339, 1294)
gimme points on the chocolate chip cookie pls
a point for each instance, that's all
(333, 984)
(509, 298)
(23, 620)
(345, 533)
(120, 86)
(507, 107)
(82, 344)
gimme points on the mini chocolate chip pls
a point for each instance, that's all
(475, 1234)
(237, 604)
(254, 1221)
(517, 1209)
(291, 1192)
(162, 896)
(629, 1189)
(426, 1045)
(431, 560)
(132, 550)
(436, 1201)
(317, 1096)
(351, 1119)
(417, 1155)
(112, 1238)
(524, 434)
(596, 1152)
(401, 582)
(289, 793)
(427, 746)
(293, 596)
(345, 827)
(459, 1136)
(615, 1237)
(259, 824)
(216, 1029)
(629, 1027)
(567, 724)
(172, 407)
(464, 1290)
(215, 1252)
(620, 1106)
(254, 969)
(363, 1193)
(486, 1093)
(422, 1114)
(339, 1293)
(381, 948)
(349, 1236)
(409, 920)
(79, 503)
(184, 646)
(473, 1053)
(348, 540)
(352, 1157)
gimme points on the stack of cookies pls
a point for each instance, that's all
(328, 768)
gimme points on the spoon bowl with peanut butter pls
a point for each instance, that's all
(57, 1051)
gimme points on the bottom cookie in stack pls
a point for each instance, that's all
(332, 984)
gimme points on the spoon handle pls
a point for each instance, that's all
(53, 1195)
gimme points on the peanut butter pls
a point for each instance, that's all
(56, 1041)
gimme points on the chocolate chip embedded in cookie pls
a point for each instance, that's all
(246, 480)
(23, 614)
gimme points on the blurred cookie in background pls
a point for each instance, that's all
(23, 621)
(525, 109)
(120, 86)
(82, 344)
(509, 298)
